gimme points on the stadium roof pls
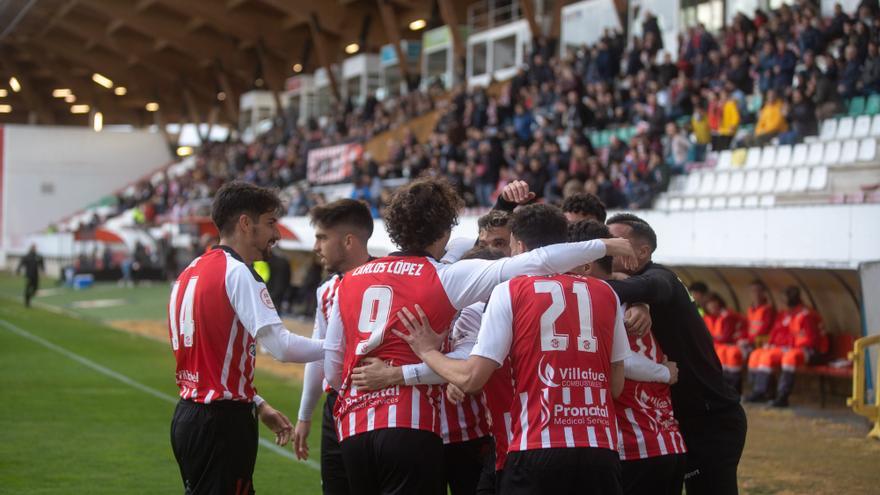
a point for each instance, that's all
(193, 58)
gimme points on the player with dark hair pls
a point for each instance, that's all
(342, 230)
(219, 308)
(494, 231)
(390, 438)
(583, 206)
(566, 340)
(651, 446)
(710, 417)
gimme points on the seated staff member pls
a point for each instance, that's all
(795, 340)
(760, 316)
(708, 411)
(727, 329)
(566, 341)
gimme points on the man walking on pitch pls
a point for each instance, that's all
(219, 308)
(32, 264)
(342, 230)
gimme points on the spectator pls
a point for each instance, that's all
(702, 135)
(729, 122)
(771, 121)
(675, 148)
(869, 83)
(802, 115)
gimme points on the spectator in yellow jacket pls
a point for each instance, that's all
(702, 135)
(771, 121)
(729, 122)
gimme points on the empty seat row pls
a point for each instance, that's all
(772, 180)
(850, 127)
(813, 154)
(715, 203)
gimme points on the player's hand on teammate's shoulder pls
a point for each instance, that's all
(277, 422)
(374, 374)
(622, 249)
(637, 319)
(517, 192)
(673, 371)
(454, 394)
(300, 439)
(422, 338)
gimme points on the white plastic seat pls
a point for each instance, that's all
(677, 184)
(722, 183)
(753, 158)
(845, 128)
(768, 156)
(829, 129)
(689, 204)
(737, 180)
(693, 184)
(661, 203)
(867, 149)
(798, 155)
(831, 156)
(704, 203)
(815, 154)
(768, 181)
(818, 178)
(724, 160)
(735, 202)
(875, 126)
(850, 152)
(753, 180)
(801, 180)
(767, 201)
(719, 202)
(862, 127)
(783, 180)
(750, 202)
(675, 204)
(708, 183)
(783, 156)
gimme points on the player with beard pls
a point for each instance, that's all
(566, 340)
(219, 308)
(390, 438)
(651, 446)
(707, 409)
(342, 230)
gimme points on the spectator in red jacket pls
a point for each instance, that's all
(796, 339)
(727, 328)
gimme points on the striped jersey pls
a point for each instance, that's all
(217, 305)
(562, 333)
(645, 421)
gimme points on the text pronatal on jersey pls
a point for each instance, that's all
(391, 267)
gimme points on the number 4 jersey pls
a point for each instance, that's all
(562, 333)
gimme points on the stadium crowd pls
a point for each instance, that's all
(773, 75)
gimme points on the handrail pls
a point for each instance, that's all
(858, 401)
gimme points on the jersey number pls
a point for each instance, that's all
(552, 341)
(375, 310)
(183, 324)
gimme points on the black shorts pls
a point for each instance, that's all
(561, 471)
(333, 478)
(661, 475)
(715, 444)
(215, 446)
(394, 461)
(464, 463)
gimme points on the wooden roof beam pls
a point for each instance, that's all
(36, 104)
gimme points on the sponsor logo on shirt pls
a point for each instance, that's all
(388, 395)
(188, 376)
(570, 377)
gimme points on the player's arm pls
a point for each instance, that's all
(651, 287)
(470, 281)
(619, 353)
(313, 378)
(641, 369)
(250, 300)
(334, 346)
(456, 248)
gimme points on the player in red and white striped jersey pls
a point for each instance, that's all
(390, 438)
(342, 230)
(566, 340)
(219, 308)
(651, 446)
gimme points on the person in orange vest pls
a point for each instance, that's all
(727, 329)
(760, 318)
(796, 339)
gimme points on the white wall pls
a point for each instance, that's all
(839, 236)
(583, 23)
(49, 173)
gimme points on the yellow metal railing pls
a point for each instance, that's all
(858, 400)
